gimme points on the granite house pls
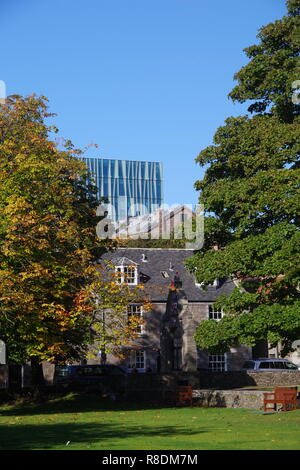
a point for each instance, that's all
(166, 338)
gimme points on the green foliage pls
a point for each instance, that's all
(273, 67)
(251, 192)
(275, 323)
(154, 243)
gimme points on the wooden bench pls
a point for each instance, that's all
(284, 396)
(184, 395)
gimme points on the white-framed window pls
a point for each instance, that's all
(128, 274)
(137, 360)
(217, 362)
(135, 310)
(214, 313)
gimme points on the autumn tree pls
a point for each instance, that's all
(48, 241)
(251, 191)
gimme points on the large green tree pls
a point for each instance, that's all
(251, 191)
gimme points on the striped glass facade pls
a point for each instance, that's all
(132, 187)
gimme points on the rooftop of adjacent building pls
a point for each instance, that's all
(158, 267)
(121, 160)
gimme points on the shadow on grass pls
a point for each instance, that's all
(81, 436)
(75, 403)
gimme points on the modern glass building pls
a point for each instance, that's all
(133, 188)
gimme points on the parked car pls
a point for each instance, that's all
(271, 364)
(95, 376)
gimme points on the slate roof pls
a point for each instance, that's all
(123, 261)
(160, 260)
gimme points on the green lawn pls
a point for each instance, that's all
(85, 422)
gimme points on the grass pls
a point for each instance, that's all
(86, 422)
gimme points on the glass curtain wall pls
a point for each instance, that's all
(133, 188)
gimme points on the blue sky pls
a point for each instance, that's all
(143, 79)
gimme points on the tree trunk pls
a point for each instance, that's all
(37, 376)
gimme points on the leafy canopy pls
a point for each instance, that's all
(48, 241)
(251, 192)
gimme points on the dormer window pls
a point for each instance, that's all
(127, 271)
(127, 274)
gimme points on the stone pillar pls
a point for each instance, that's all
(189, 349)
(178, 323)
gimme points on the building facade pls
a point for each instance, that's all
(166, 340)
(133, 188)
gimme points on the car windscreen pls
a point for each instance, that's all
(290, 365)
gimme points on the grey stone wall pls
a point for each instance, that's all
(236, 379)
(207, 380)
(251, 399)
(191, 317)
(235, 357)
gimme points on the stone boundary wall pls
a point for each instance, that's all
(251, 399)
(213, 380)
(236, 379)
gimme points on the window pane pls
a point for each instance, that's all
(214, 314)
(217, 362)
(135, 311)
(121, 187)
(119, 275)
(143, 167)
(288, 365)
(137, 360)
(129, 273)
(106, 189)
(105, 167)
(279, 365)
(120, 169)
(140, 364)
(264, 365)
(112, 168)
